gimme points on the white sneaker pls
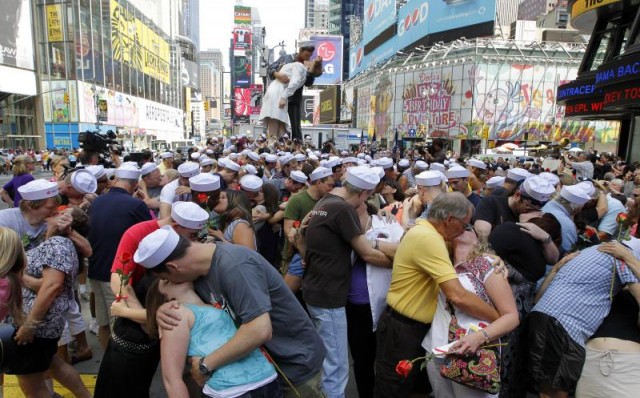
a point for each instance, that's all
(93, 327)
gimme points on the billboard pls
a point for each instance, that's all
(136, 45)
(242, 15)
(241, 72)
(60, 101)
(242, 104)
(16, 40)
(306, 113)
(54, 22)
(241, 40)
(190, 73)
(378, 16)
(420, 18)
(347, 104)
(329, 105)
(330, 49)
(256, 98)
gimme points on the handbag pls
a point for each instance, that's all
(480, 371)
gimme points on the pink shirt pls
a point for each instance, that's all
(5, 292)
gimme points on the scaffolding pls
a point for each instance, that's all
(465, 50)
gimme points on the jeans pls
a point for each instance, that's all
(270, 390)
(331, 324)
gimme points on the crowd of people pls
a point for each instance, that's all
(264, 267)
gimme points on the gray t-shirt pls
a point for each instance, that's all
(246, 285)
(31, 236)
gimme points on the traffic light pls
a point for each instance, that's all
(66, 99)
(206, 105)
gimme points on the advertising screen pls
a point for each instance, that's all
(256, 99)
(241, 71)
(242, 102)
(330, 49)
(16, 40)
(378, 16)
(190, 74)
(242, 15)
(329, 105)
(241, 39)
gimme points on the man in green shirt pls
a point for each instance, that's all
(298, 207)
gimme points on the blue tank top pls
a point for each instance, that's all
(212, 329)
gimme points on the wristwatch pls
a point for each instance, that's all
(204, 370)
(548, 239)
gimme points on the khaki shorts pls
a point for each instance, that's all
(104, 298)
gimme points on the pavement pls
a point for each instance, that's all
(88, 370)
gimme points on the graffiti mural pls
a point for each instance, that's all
(515, 99)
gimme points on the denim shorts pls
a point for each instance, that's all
(295, 267)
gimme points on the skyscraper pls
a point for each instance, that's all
(211, 81)
(191, 21)
(316, 14)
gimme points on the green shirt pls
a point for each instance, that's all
(298, 207)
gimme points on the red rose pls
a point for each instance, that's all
(622, 217)
(125, 258)
(404, 367)
(203, 198)
(589, 233)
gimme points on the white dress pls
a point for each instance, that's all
(297, 74)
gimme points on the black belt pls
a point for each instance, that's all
(404, 319)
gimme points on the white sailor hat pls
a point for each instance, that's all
(378, 170)
(38, 190)
(84, 181)
(403, 163)
(313, 157)
(306, 44)
(385, 163)
(575, 194)
(195, 155)
(350, 159)
(250, 169)
(222, 161)
(147, 168)
(552, 178)
(517, 174)
(189, 215)
(284, 159)
(429, 178)
(633, 244)
(478, 164)
(156, 247)
(251, 183)
(324, 156)
(166, 155)
(263, 155)
(299, 157)
(317, 153)
(587, 186)
(320, 172)
(128, 172)
(360, 155)
(537, 188)
(421, 165)
(233, 137)
(367, 158)
(437, 167)
(285, 136)
(333, 162)
(446, 163)
(205, 161)
(362, 177)
(204, 182)
(245, 151)
(109, 172)
(97, 171)
(253, 156)
(231, 165)
(344, 153)
(134, 164)
(189, 169)
(298, 176)
(495, 182)
(457, 172)
(271, 158)
(209, 151)
(234, 156)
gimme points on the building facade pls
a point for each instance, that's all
(342, 13)
(211, 70)
(316, 14)
(109, 65)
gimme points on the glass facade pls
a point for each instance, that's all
(90, 49)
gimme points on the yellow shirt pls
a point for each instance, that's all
(162, 168)
(420, 265)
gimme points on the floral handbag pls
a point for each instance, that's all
(480, 371)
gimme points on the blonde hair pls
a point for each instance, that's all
(171, 174)
(12, 262)
(20, 165)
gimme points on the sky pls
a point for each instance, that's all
(283, 20)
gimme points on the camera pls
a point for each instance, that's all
(102, 144)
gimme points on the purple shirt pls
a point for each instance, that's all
(359, 292)
(16, 182)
